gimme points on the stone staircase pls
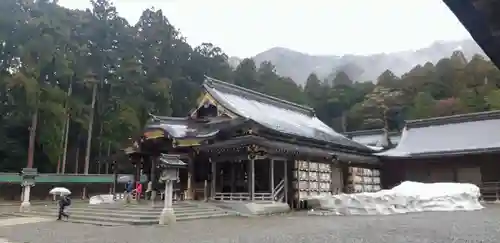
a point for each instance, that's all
(116, 215)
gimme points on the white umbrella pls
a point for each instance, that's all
(60, 191)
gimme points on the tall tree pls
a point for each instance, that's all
(246, 75)
(388, 79)
(423, 105)
(342, 79)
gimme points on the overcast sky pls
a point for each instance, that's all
(246, 27)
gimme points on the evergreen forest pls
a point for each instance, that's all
(95, 77)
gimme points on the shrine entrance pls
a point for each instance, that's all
(260, 180)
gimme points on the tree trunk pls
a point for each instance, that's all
(89, 130)
(99, 117)
(77, 159)
(100, 150)
(31, 146)
(61, 144)
(108, 162)
(66, 131)
(89, 137)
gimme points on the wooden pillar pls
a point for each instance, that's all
(190, 179)
(271, 175)
(308, 178)
(285, 166)
(221, 171)
(213, 182)
(115, 178)
(252, 179)
(333, 168)
(233, 177)
(152, 178)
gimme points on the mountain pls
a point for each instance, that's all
(360, 68)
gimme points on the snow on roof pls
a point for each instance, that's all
(373, 137)
(460, 134)
(276, 114)
(376, 148)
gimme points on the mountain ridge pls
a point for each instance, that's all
(361, 68)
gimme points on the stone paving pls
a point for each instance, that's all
(457, 227)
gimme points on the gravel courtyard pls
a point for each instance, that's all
(479, 226)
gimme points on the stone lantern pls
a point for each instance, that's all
(27, 181)
(170, 165)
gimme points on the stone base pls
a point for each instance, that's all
(267, 208)
(254, 208)
(25, 207)
(167, 216)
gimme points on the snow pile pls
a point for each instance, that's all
(101, 199)
(407, 197)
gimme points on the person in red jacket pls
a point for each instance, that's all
(138, 190)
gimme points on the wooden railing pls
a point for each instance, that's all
(265, 196)
(242, 196)
(279, 191)
(490, 191)
(232, 196)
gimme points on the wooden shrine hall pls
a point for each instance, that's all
(243, 145)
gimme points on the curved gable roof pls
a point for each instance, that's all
(451, 135)
(276, 114)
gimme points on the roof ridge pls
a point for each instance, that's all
(266, 98)
(168, 118)
(367, 132)
(444, 120)
(364, 132)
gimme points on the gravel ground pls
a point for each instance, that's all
(458, 227)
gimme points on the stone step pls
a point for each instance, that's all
(93, 222)
(146, 211)
(94, 214)
(100, 211)
(130, 214)
(133, 215)
(207, 216)
(130, 209)
(200, 215)
(144, 207)
(113, 220)
(100, 220)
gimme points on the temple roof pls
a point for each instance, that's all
(284, 148)
(482, 19)
(373, 137)
(189, 128)
(246, 106)
(451, 135)
(275, 114)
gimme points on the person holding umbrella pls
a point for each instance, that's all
(64, 201)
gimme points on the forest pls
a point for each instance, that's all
(76, 85)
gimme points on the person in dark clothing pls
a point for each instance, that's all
(63, 203)
(129, 187)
